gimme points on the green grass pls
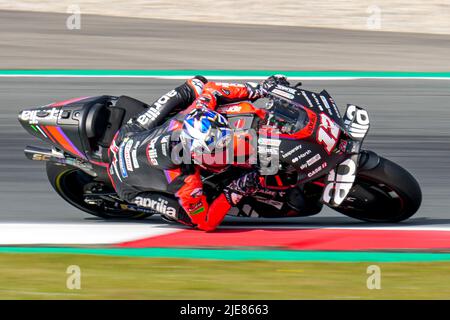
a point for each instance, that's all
(41, 276)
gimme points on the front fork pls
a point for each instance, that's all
(340, 180)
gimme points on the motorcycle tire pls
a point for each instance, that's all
(68, 182)
(385, 193)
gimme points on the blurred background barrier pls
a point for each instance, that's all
(432, 16)
(61, 40)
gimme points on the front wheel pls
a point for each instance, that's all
(384, 193)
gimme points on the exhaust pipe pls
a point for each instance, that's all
(53, 155)
(41, 154)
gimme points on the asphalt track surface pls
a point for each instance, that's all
(41, 40)
(409, 125)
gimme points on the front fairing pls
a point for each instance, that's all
(328, 145)
(308, 145)
(317, 147)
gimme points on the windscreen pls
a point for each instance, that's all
(286, 116)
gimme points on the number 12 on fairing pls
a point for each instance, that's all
(328, 133)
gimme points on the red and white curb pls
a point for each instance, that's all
(150, 235)
(345, 239)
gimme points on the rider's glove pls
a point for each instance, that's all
(255, 91)
(259, 90)
(274, 80)
(202, 102)
(245, 185)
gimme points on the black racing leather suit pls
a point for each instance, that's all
(148, 165)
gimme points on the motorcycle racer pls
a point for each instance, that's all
(299, 152)
(149, 160)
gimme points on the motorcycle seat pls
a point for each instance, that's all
(104, 120)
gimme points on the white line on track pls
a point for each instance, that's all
(65, 234)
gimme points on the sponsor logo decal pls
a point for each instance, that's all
(304, 154)
(227, 84)
(155, 110)
(268, 192)
(336, 110)
(286, 89)
(114, 149)
(127, 154)
(325, 102)
(196, 208)
(313, 160)
(317, 101)
(340, 181)
(165, 145)
(317, 170)
(290, 152)
(198, 211)
(159, 205)
(34, 116)
(270, 202)
(197, 192)
(269, 142)
(310, 161)
(122, 166)
(311, 123)
(357, 121)
(307, 99)
(283, 94)
(268, 154)
(152, 154)
(134, 155)
(236, 108)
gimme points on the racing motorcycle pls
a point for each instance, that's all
(320, 160)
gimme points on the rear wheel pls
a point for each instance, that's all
(384, 193)
(71, 184)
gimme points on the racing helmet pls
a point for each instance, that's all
(205, 131)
